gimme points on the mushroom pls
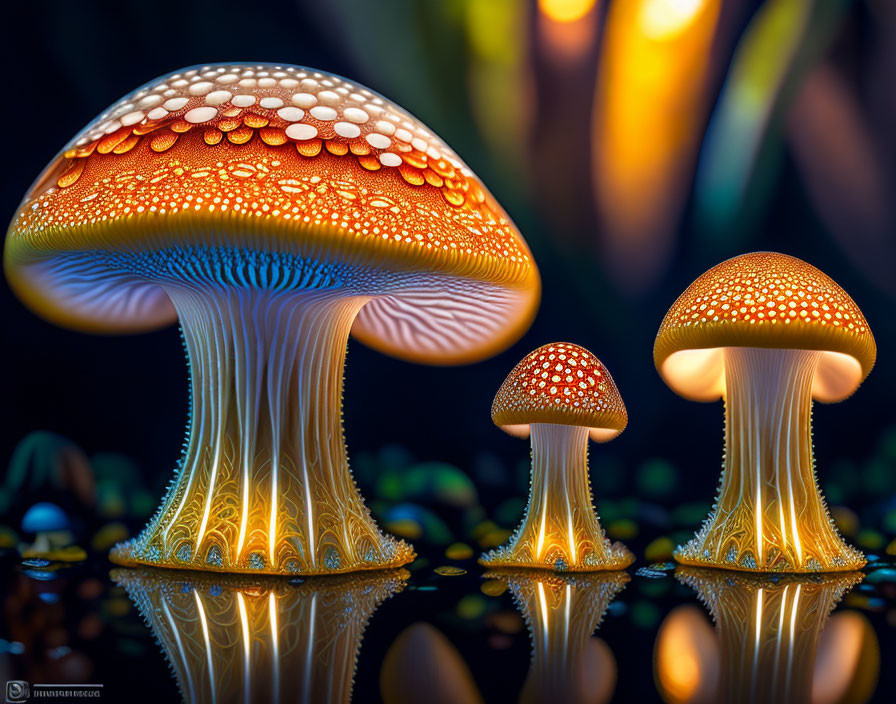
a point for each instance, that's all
(272, 210)
(50, 527)
(768, 333)
(561, 394)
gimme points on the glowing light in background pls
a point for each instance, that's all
(565, 11)
(649, 109)
(686, 658)
(500, 81)
(840, 163)
(741, 150)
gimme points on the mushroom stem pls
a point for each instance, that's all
(561, 529)
(264, 483)
(769, 514)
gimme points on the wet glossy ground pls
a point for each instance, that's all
(651, 634)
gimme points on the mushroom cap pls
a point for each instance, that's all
(278, 176)
(562, 384)
(765, 300)
(44, 517)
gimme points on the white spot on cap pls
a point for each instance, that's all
(244, 101)
(291, 114)
(157, 113)
(218, 97)
(175, 103)
(355, 115)
(304, 100)
(347, 130)
(403, 135)
(390, 159)
(132, 118)
(201, 88)
(203, 114)
(300, 131)
(289, 83)
(150, 100)
(322, 112)
(419, 144)
(378, 141)
(271, 103)
(248, 82)
(267, 82)
(329, 97)
(228, 78)
(384, 127)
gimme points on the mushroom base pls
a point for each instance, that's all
(561, 530)
(769, 515)
(264, 485)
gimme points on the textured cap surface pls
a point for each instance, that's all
(564, 384)
(765, 300)
(278, 159)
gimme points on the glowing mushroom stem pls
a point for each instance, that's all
(769, 514)
(264, 483)
(561, 529)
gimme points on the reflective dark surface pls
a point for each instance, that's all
(422, 636)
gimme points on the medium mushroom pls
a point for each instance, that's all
(561, 394)
(272, 210)
(768, 333)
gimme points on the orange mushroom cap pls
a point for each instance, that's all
(764, 300)
(278, 160)
(563, 384)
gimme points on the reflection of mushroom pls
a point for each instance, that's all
(242, 639)
(562, 612)
(423, 667)
(768, 631)
(768, 333)
(272, 209)
(561, 393)
(50, 527)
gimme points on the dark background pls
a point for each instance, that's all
(64, 62)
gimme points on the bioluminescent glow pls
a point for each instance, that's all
(231, 639)
(777, 333)
(562, 612)
(768, 634)
(273, 211)
(649, 108)
(560, 393)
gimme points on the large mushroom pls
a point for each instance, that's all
(768, 333)
(272, 210)
(560, 394)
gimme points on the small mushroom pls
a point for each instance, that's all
(50, 528)
(560, 394)
(272, 210)
(768, 333)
